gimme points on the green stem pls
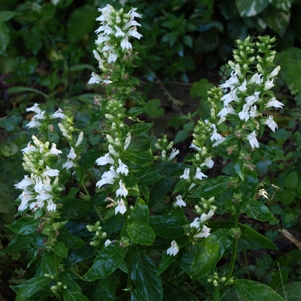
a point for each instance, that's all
(234, 247)
(75, 273)
(85, 188)
(216, 294)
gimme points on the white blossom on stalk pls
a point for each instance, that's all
(121, 191)
(199, 175)
(121, 208)
(107, 242)
(173, 154)
(271, 123)
(122, 168)
(174, 249)
(253, 140)
(185, 175)
(208, 162)
(180, 202)
(108, 177)
(58, 114)
(203, 233)
(54, 150)
(104, 160)
(95, 79)
(273, 102)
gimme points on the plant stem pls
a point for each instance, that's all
(216, 294)
(234, 247)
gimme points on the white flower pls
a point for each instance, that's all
(24, 183)
(199, 175)
(273, 102)
(274, 72)
(112, 150)
(35, 108)
(107, 242)
(204, 232)
(252, 140)
(231, 82)
(179, 201)
(104, 160)
(108, 177)
(195, 223)
(120, 207)
(204, 217)
(25, 197)
(243, 86)
(174, 249)
(250, 100)
(216, 136)
(253, 111)
(253, 79)
(226, 111)
(195, 147)
(185, 175)
(134, 33)
(122, 168)
(208, 162)
(72, 154)
(268, 84)
(173, 154)
(51, 172)
(50, 205)
(95, 79)
(127, 141)
(28, 149)
(119, 32)
(121, 191)
(271, 123)
(79, 139)
(58, 114)
(69, 164)
(112, 57)
(54, 150)
(33, 123)
(244, 114)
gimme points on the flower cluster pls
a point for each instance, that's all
(116, 28)
(40, 189)
(165, 146)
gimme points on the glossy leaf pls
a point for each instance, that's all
(141, 233)
(292, 291)
(106, 287)
(140, 212)
(211, 187)
(18, 243)
(70, 241)
(140, 158)
(24, 225)
(211, 250)
(4, 37)
(165, 262)
(255, 291)
(249, 8)
(144, 277)
(140, 128)
(5, 15)
(73, 296)
(159, 190)
(86, 16)
(30, 287)
(173, 292)
(106, 262)
(256, 210)
(60, 250)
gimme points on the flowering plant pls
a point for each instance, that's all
(127, 235)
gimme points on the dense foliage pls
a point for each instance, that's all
(140, 228)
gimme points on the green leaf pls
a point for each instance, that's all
(211, 187)
(31, 286)
(165, 262)
(141, 233)
(74, 208)
(4, 37)
(140, 158)
(292, 291)
(6, 15)
(255, 291)
(200, 88)
(144, 277)
(70, 241)
(33, 40)
(85, 16)
(159, 191)
(250, 8)
(140, 212)
(60, 250)
(81, 67)
(168, 226)
(106, 262)
(106, 287)
(180, 136)
(173, 291)
(74, 296)
(24, 225)
(169, 169)
(13, 90)
(140, 128)
(256, 210)
(8, 149)
(188, 41)
(152, 108)
(211, 250)
(282, 4)
(292, 180)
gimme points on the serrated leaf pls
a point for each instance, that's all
(106, 262)
(140, 212)
(250, 8)
(211, 250)
(144, 277)
(256, 210)
(86, 16)
(24, 225)
(74, 296)
(255, 291)
(30, 287)
(141, 233)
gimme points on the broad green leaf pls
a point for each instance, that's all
(18, 243)
(33, 40)
(144, 277)
(74, 208)
(60, 250)
(4, 37)
(141, 127)
(30, 287)
(81, 67)
(148, 175)
(85, 16)
(70, 241)
(277, 20)
(168, 226)
(282, 4)
(140, 212)
(24, 225)
(292, 291)
(106, 262)
(181, 136)
(106, 287)
(141, 233)
(211, 187)
(292, 180)
(81, 254)
(74, 296)
(250, 8)
(135, 111)
(255, 291)
(5, 15)
(211, 250)
(256, 210)
(140, 158)
(88, 159)
(159, 191)
(172, 292)
(67, 279)
(8, 149)
(152, 108)
(169, 169)
(47, 264)
(165, 262)
(15, 89)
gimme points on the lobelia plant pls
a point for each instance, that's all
(127, 237)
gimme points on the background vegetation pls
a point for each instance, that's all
(45, 57)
